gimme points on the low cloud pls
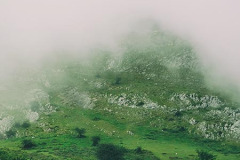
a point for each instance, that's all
(31, 30)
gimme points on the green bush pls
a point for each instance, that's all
(26, 124)
(6, 154)
(96, 119)
(11, 133)
(95, 140)
(28, 144)
(139, 150)
(118, 80)
(17, 125)
(35, 107)
(110, 152)
(2, 136)
(204, 155)
(80, 132)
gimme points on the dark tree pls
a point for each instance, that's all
(140, 103)
(80, 132)
(95, 140)
(118, 80)
(17, 125)
(96, 119)
(26, 124)
(178, 114)
(139, 150)
(11, 133)
(204, 155)
(35, 107)
(110, 152)
(98, 75)
(6, 154)
(28, 144)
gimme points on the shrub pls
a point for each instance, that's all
(80, 132)
(178, 114)
(2, 136)
(11, 133)
(138, 150)
(110, 152)
(95, 140)
(28, 144)
(26, 124)
(17, 125)
(6, 154)
(96, 119)
(140, 103)
(98, 76)
(204, 155)
(35, 107)
(118, 80)
(181, 129)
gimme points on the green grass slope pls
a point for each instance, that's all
(153, 95)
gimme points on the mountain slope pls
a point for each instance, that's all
(153, 95)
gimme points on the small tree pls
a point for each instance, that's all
(80, 132)
(28, 144)
(26, 124)
(95, 140)
(141, 103)
(35, 107)
(17, 125)
(178, 114)
(110, 152)
(118, 80)
(6, 154)
(11, 133)
(139, 150)
(204, 155)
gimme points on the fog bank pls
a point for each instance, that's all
(31, 30)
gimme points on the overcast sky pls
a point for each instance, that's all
(32, 29)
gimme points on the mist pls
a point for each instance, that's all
(34, 30)
(159, 75)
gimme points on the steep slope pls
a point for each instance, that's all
(152, 94)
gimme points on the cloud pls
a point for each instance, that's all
(33, 29)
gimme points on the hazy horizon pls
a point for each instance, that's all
(32, 30)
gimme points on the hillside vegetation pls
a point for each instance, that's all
(148, 101)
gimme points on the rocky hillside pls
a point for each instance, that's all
(151, 93)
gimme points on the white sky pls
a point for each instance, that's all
(32, 29)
